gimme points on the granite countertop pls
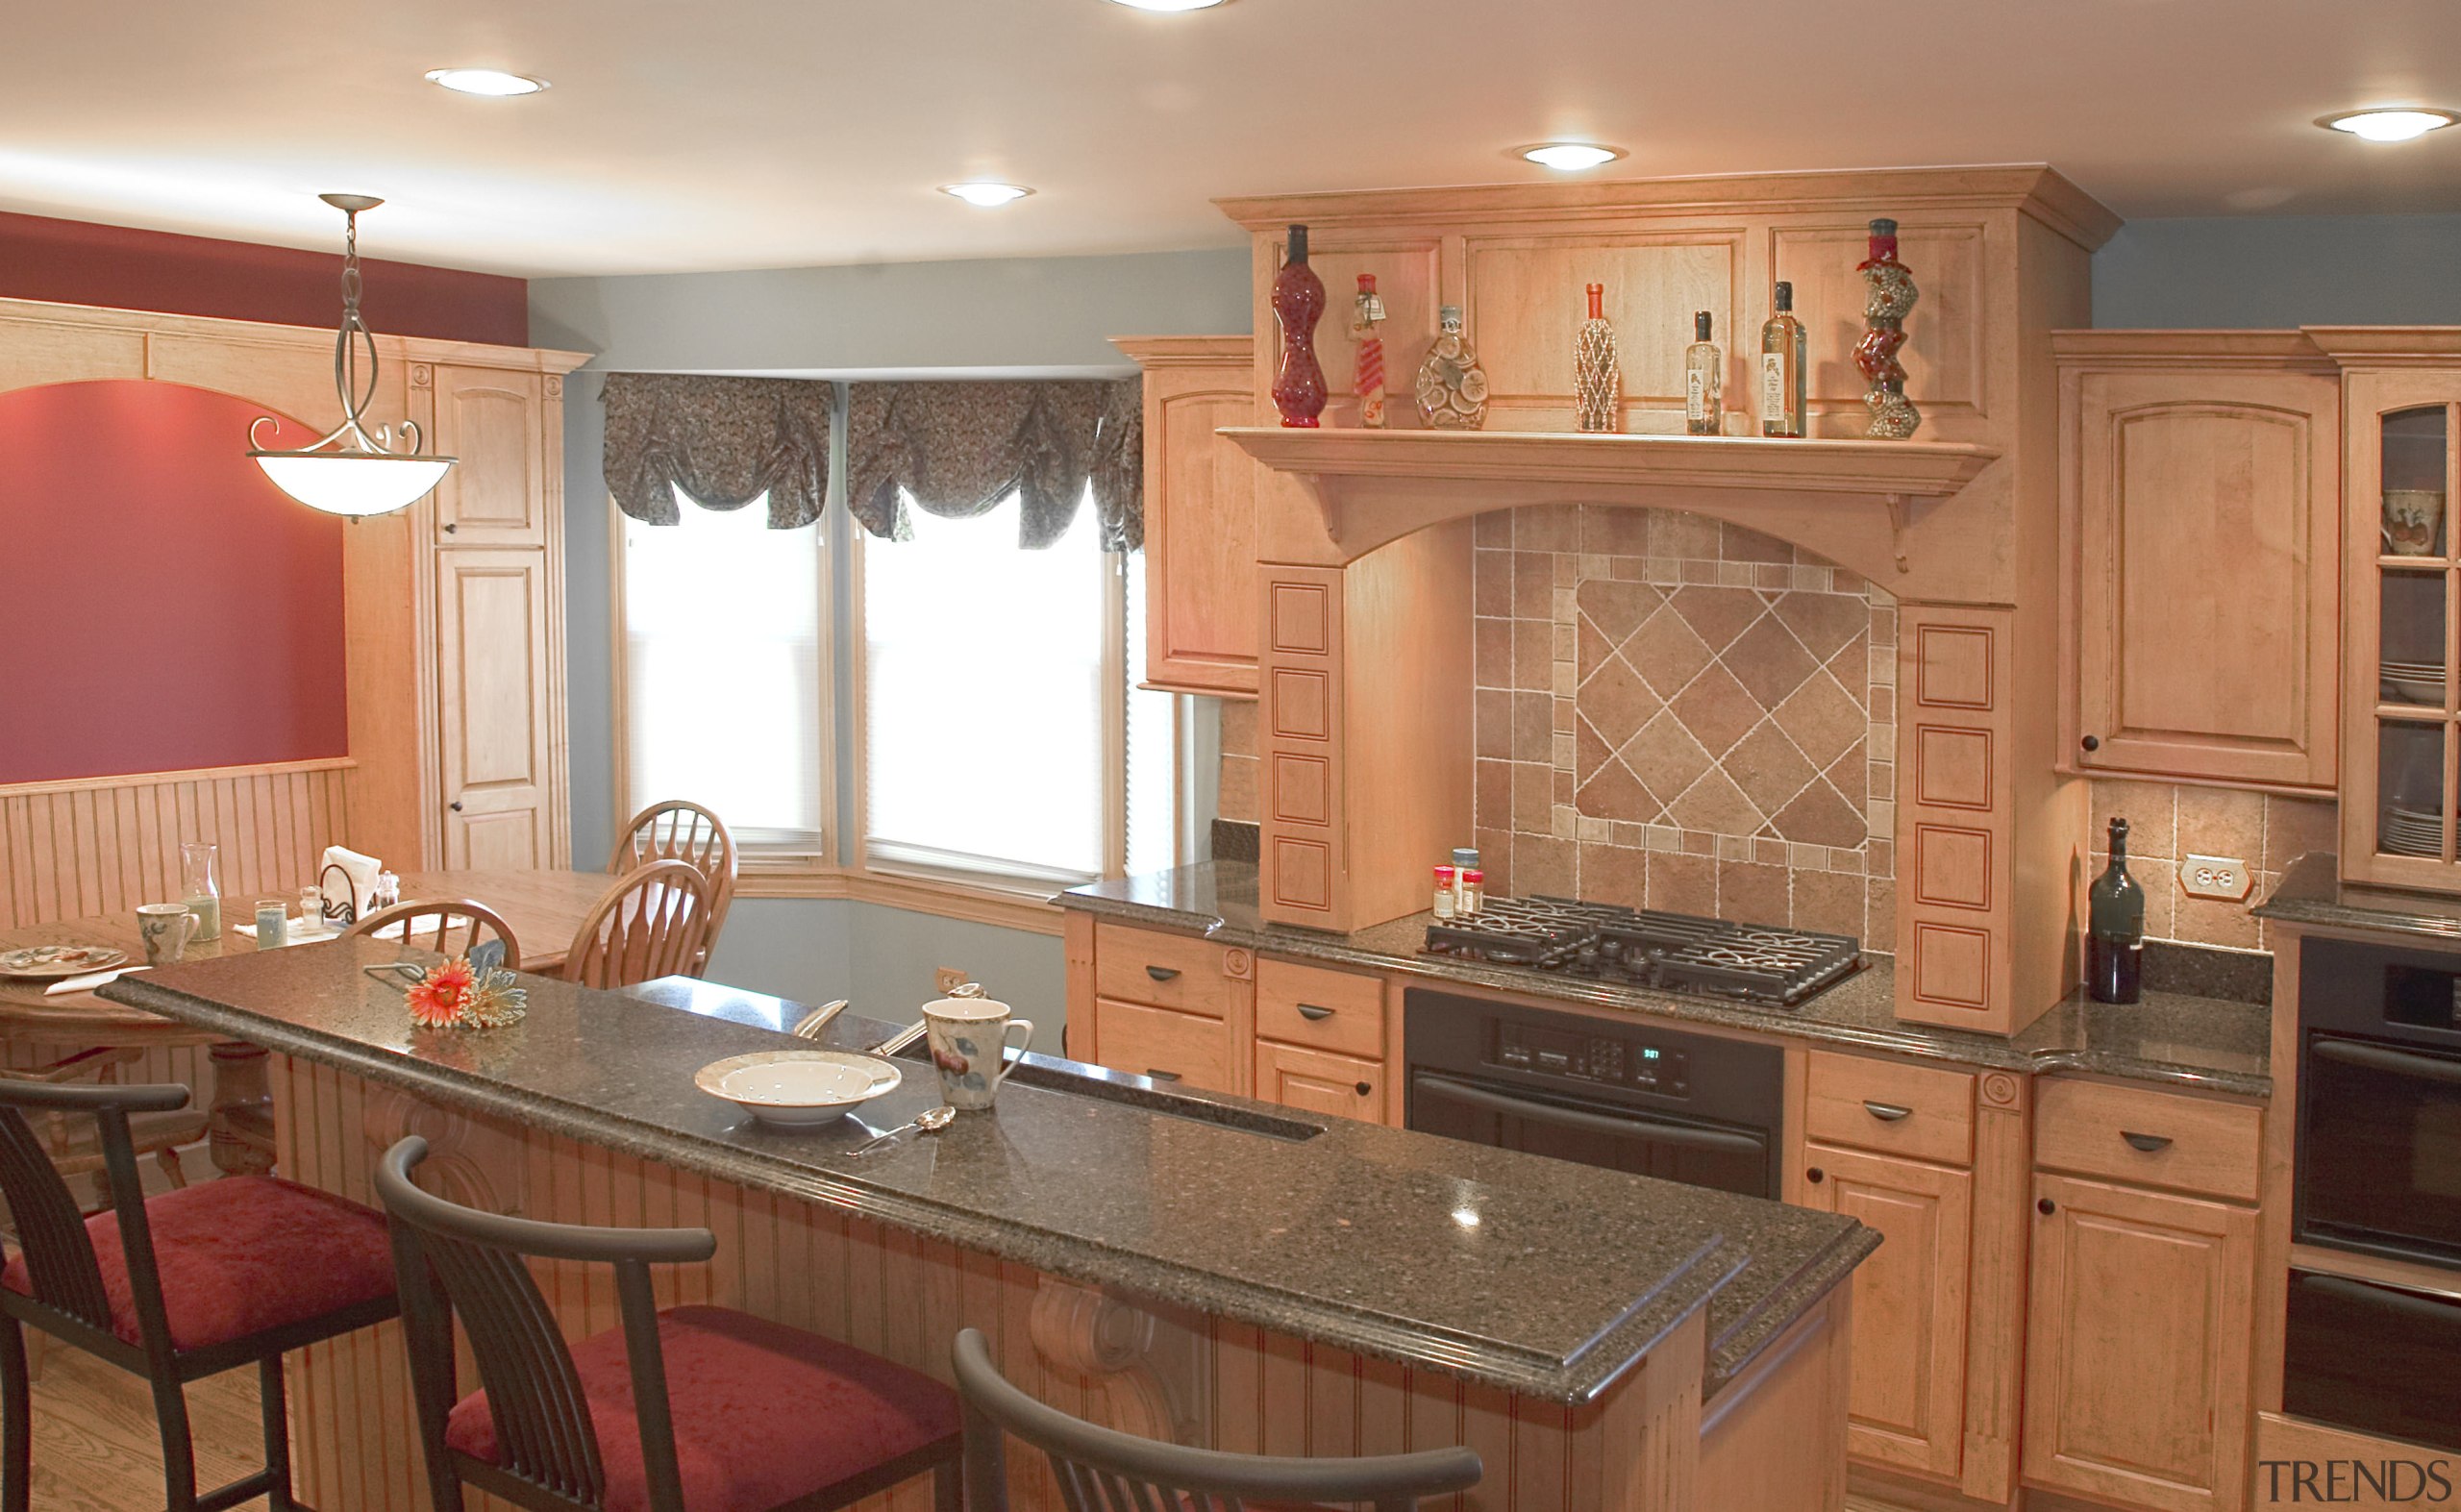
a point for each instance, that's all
(1406, 1246)
(2205, 1044)
(2312, 893)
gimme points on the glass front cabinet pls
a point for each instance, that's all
(2401, 746)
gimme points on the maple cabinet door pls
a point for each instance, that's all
(494, 716)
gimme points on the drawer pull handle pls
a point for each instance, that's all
(1162, 973)
(1159, 1074)
(2150, 1144)
(1886, 1112)
(1314, 1013)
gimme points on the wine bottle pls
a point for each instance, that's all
(1782, 369)
(2114, 928)
(1704, 381)
(1598, 384)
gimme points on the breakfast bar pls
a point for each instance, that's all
(1204, 1269)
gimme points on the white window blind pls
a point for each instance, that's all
(723, 677)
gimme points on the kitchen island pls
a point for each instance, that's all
(1202, 1268)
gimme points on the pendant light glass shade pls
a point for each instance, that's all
(352, 470)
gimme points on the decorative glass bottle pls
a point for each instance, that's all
(1298, 302)
(200, 889)
(1704, 381)
(1451, 386)
(1367, 346)
(2114, 928)
(1782, 369)
(1598, 383)
(1889, 298)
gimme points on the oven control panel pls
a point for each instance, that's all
(1593, 1057)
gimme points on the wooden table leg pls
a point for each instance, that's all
(240, 1132)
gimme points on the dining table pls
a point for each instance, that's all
(544, 908)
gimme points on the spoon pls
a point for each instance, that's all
(930, 1121)
(817, 1020)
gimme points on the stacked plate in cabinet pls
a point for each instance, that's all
(2411, 832)
(2419, 683)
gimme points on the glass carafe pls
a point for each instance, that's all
(200, 889)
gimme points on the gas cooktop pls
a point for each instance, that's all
(1646, 948)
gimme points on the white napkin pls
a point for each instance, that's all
(323, 932)
(89, 981)
(362, 871)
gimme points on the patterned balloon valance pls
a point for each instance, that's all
(957, 449)
(723, 441)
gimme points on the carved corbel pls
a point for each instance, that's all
(467, 1162)
(1108, 1345)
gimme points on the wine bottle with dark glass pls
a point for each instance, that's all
(2114, 928)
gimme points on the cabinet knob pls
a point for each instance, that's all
(2091, 743)
(2150, 1144)
(1364, 1090)
(1162, 973)
(1314, 1013)
(453, 530)
(454, 806)
(1815, 1175)
(2046, 1206)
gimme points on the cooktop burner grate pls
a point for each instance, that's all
(1647, 948)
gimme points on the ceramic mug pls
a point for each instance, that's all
(165, 927)
(969, 1045)
(2413, 521)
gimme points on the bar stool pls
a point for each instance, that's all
(762, 1418)
(175, 1288)
(1103, 1467)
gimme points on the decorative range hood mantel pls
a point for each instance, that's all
(1375, 486)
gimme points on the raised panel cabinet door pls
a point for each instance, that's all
(1339, 1086)
(494, 717)
(1906, 1408)
(496, 494)
(1165, 1044)
(2137, 1347)
(1199, 527)
(2206, 516)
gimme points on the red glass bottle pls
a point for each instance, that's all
(1298, 302)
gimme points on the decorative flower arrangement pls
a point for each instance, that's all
(455, 996)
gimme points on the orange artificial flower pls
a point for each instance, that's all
(436, 1002)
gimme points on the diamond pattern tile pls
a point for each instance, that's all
(1714, 804)
(1717, 615)
(1616, 608)
(1665, 756)
(1667, 651)
(1820, 816)
(1822, 720)
(1717, 710)
(1617, 701)
(1590, 750)
(1825, 622)
(1614, 793)
(1766, 766)
(1769, 661)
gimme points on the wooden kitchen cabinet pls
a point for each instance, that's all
(1200, 592)
(1315, 1081)
(495, 727)
(492, 420)
(1153, 1003)
(1185, 1048)
(2200, 525)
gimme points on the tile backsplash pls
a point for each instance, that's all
(2167, 822)
(1676, 713)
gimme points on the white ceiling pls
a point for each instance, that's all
(729, 133)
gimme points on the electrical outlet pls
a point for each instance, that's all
(948, 979)
(2220, 876)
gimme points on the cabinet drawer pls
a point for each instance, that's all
(1173, 1047)
(1312, 1081)
(1335, 1011)
(2149, 1138)
(1918, 1111)
(1170, 971)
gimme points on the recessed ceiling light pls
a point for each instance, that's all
(987, 196)
(1569, 156)
(2394, 124)
(494, 82)
(1170, 5)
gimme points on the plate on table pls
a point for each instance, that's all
(798, 1088)
(44, 962)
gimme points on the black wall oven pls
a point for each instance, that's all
(1628, 1096)
(2379, 1164)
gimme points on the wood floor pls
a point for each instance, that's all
(95, 1445)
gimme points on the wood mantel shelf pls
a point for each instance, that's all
(1377, 485)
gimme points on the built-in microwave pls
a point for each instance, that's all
(2378, 1163)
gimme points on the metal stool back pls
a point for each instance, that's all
(1102, 1469)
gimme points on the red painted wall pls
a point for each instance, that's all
(75, 262)
(161, 604)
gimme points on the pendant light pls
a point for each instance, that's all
(351, 470)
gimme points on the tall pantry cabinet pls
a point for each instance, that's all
(455, 615)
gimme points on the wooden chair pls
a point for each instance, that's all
(761, 1418)
(654, 922)
(677, 831)
(448, 927)
(72, 1142)
(1101, 1467)
(175, 1288)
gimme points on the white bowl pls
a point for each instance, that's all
(798, 1088)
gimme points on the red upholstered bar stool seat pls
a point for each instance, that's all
(175, 1288)
(694, 1409)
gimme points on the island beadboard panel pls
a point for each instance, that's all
(1145, 1368)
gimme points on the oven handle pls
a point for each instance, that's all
(2377, 1057)
(2391, 1300)
(1594, 1122)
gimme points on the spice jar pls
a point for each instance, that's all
(1473, 891)
(1445, 898)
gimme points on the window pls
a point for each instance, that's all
(724, 680)
(1005, 739)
